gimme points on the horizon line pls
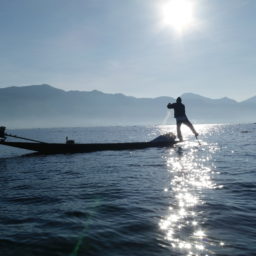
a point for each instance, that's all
(119, 93)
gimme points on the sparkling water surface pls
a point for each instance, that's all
(197, 198)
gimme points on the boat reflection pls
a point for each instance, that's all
(191, 175)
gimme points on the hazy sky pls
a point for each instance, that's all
(143, 48)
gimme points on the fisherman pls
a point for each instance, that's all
(181, 118)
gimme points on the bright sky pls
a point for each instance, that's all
(143, 48)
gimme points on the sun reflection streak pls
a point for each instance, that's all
(191, 175)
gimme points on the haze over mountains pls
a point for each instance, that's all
(46, 106)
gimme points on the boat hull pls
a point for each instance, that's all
(61, 148)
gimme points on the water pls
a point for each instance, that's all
(189, 200)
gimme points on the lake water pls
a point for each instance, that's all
(193, 199)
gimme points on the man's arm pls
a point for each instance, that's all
(170, 105)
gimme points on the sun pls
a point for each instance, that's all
(177, 14)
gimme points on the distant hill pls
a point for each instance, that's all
(251, 100)
(46, 106)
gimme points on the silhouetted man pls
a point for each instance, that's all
(181, 118)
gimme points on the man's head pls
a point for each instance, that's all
(178, 100)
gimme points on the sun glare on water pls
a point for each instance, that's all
(191, 188)
(177, 14)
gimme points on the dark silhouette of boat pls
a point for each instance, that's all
(167, 140)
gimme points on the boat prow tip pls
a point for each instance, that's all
(2, 133)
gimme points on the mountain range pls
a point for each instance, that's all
(46, 106)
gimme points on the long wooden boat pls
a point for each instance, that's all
(166, 140)
(60, 148)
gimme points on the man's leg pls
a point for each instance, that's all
(190, 125)
(179, 131)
